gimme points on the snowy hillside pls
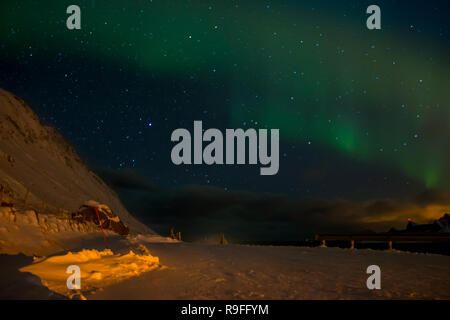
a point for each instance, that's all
(40, 171)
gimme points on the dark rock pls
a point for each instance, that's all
(108, 220)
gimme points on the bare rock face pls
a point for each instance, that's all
(39, 170)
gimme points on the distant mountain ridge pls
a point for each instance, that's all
(40, 170)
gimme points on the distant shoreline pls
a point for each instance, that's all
(433, 248)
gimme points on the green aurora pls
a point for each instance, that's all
(316, 74)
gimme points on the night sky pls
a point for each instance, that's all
(364, 115)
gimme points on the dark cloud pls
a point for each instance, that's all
(199, 211)
(433, 197)
(125, 179)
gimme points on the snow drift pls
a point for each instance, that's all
(31, 233)
(98, 269)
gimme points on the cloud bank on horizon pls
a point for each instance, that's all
(201, 210)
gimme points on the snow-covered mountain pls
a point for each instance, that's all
(39, 170)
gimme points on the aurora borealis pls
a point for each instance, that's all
(362, 114)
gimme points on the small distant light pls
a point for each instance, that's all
(149, 124)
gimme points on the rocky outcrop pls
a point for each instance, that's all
(102, 216)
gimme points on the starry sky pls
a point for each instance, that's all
(364, 115)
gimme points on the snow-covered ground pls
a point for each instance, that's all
(180, 270)
(154, 267)
(262, 272)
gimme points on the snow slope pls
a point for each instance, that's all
(196, 271)
(36, 159)
(36, 234)
(199, 271)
